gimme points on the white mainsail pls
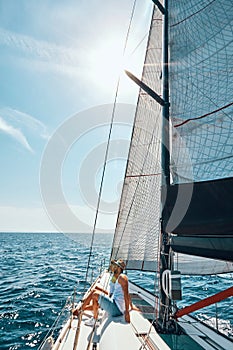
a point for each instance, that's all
(201, 85)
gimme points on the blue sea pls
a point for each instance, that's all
(39, 271)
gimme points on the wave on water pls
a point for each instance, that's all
(40, 271)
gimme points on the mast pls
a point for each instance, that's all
(165, 110)
(165, 160)
(165, 156)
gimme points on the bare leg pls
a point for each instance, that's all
(95, 298)
(84, 304)
(87, 305)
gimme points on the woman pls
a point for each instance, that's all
(117, 304)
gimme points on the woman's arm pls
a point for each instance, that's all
(123, 280)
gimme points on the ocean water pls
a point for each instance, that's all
(39, 272)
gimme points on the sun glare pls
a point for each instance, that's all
(107, 64)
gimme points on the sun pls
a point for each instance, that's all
(107, 63)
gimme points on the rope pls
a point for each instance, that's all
(145, 341)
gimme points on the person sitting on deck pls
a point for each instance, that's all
(117, 304)
(113, 270)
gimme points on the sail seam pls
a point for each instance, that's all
(193, 14)
(203, 116)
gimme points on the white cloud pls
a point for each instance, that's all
(58, 57)
(16, 124)
(25, 120)
(15, 133)
(97, 64)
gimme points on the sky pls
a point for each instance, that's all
(59, 67)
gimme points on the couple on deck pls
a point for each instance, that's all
(116, 302)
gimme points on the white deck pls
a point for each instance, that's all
(205, 336)
(112, 332)
(115, 334)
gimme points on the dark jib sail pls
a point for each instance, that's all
(207, 226)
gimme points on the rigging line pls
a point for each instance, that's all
(139, 44)
(108, 146)
(193, 14)
(54, 326)
(209, 125)
(158, 299)
(203, 116)
(141, 41)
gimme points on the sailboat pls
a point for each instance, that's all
(175, 214)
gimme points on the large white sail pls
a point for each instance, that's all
(201, 113)
(138, 227)
(201, 146)
(201, 85)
